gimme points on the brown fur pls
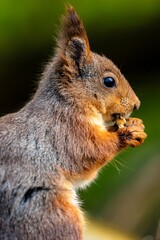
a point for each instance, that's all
(61, 138)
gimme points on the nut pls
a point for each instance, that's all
(120, 121)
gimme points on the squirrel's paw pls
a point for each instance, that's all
(133, 133)
(134, 122)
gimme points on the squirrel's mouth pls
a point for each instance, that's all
(118, 120)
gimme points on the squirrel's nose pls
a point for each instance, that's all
(136, 105)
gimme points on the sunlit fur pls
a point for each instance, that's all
(61, 139)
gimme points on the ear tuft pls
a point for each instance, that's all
(71, 27)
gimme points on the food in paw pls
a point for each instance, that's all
(120, 121)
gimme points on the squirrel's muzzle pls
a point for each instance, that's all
(136, 105)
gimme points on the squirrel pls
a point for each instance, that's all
(62, 137)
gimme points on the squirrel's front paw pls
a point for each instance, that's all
(133, 133)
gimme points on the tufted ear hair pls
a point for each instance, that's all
(72, 40)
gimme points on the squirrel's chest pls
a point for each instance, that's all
(85, 179)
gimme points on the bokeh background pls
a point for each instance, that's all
(126, 196)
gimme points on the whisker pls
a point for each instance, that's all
(123, 163)
(115, 166)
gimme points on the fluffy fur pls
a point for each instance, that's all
(60, 139)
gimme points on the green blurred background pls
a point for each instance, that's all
(126, 195)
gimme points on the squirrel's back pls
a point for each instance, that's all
(31, 185)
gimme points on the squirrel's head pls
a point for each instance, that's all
(88, 79)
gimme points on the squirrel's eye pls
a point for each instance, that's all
(109, 82)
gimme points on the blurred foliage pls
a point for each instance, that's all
(30, 24)
(125, 31)
(100, 231)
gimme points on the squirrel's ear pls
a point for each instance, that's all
(72, 40)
